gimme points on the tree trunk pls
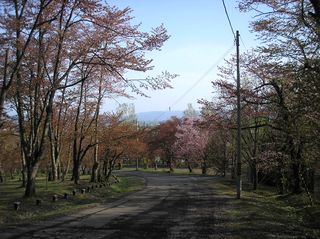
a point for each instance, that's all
(282, 179)
(171, 165)
(204, 165)
(65, 172)
(24, 176)
(32, 170)
(296, 160)
(106, 166)
(1, 174)
(2, 100)
(23, 166)
(233, 171)
(155, 165)
(4, 88)
(296, 187)
(75, 172)
(30, 187)
(109, 169)
(204, 170)
(55, 154)
(254, 159)
(95, 167)
(254, 175)
(190, 168)
(137, 164)
(54, 168)
(94, 173)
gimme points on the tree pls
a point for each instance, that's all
(218, 118)
(10, 161)
(191, 142)
(290, 31)
(163, 137)
(19, 24)
(190, 111)
(44, 46)
(118, 140)
(127, 112)
(83, 127)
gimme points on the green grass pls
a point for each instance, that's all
(11, 191)
(265, 214)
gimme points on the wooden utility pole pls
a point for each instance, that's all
(239, 182)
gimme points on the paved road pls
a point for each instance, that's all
(170, 206)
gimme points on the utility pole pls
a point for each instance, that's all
(238, 178)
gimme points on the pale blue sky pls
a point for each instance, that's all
(200, 36)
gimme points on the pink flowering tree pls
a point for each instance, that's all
(191, 143)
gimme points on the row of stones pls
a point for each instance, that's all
(16, 205)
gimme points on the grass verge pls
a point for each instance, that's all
(11, 192)
(265, 214)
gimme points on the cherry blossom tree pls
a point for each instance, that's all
(191, 142)
(51, 45)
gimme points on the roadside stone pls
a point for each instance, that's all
(54, 197)
(16, 205)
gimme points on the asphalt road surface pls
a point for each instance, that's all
(170, 206)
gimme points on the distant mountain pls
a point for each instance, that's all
(153, 117)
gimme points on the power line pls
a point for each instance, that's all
(227, 14)
(243, 43)
(202, 77)
(115, 100)
(230, 24)
(198, 81)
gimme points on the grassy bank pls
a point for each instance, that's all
(265, 214)
(11, 192)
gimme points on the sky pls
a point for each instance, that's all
(200, 38)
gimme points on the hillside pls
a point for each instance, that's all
(157, 116)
